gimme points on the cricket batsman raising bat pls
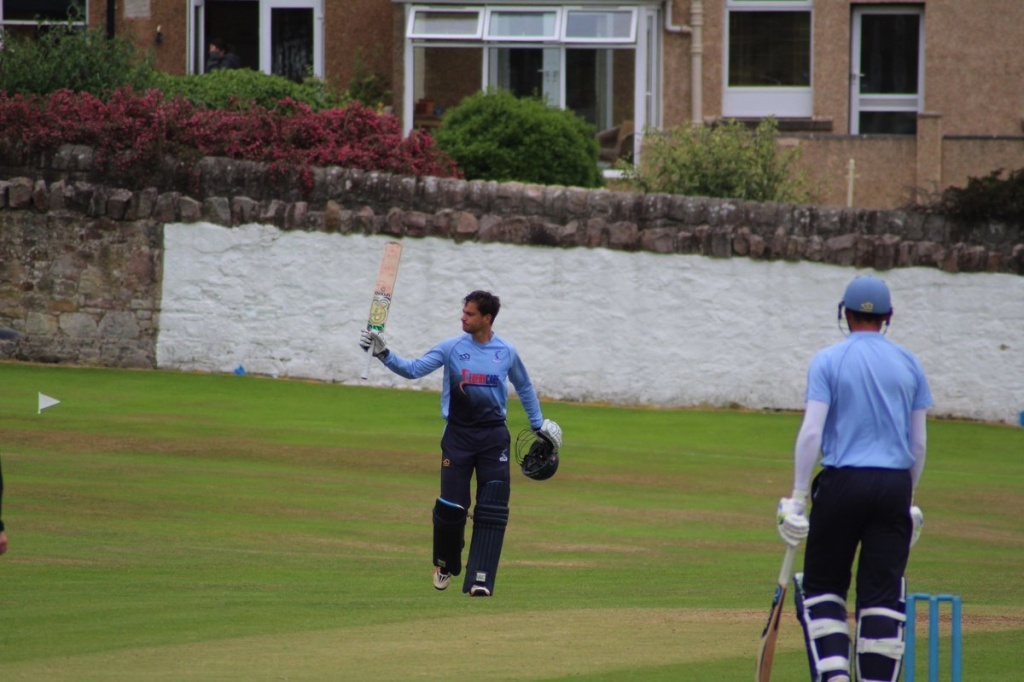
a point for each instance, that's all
(382, 293)
(478, 366)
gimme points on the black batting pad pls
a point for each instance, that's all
(490, 518)
(449, 535)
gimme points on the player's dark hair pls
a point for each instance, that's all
(869, 318)
(220, 44)
(486, 302)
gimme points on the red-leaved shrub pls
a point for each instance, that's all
(132, 132)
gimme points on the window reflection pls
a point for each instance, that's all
(291, 41)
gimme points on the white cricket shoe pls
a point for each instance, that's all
(441, 579)
(479, 591)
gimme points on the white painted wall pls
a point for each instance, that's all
(591, 324)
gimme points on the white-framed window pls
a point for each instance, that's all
(291, 38)
(22, 18)
(459, 23)
(600, 62)
(590, 25)
(283, 37)
(523, 23)
(768, 64)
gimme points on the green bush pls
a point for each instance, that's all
(230, 88)
(992, 197)
(727, 160)
(495, 136)
(67, 57)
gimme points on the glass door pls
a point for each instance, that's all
(887, 74)
(527, 72)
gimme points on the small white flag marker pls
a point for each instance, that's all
(46, 401)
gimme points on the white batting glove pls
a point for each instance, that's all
(552, 432)
(793, 525)
(372, 338)
(917, 521)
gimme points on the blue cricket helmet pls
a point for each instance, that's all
(867, 294)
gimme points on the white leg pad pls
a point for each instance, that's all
(880, 633)
(827, 635)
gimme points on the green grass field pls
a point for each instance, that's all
(169, 526)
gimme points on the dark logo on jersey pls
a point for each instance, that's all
(499, 356)
(464, 356)
(471, 379)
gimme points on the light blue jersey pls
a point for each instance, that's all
(871, 386)
(475, 392)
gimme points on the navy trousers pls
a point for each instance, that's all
(859, 508)
(483, 450)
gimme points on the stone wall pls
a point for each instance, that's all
(80, 258)
(80, 289)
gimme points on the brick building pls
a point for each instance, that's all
(886, 100)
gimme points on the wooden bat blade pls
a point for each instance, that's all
(766, 652)
(383, 290)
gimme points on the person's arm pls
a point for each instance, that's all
(918, 444)
(371, 340)
(791, 514)
(808, 445)
(419, 367)
(524, 389)
(918, 448)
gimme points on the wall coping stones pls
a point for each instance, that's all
(230, 192)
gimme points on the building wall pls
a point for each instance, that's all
(972, 72)
(975, 65)
(714, 58)
(886, 174)
(831, 64)
(884, 169)
(973, 62)
(139, 22)
(969, 156)
(357, 31)
(676, 81)
(974, 106)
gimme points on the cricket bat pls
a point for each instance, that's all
(771, 631)
(383, 290)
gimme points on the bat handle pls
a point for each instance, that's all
(787, 565)
(369, 358)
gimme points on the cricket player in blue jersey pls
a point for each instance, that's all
(477, 364)
(865, 414)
